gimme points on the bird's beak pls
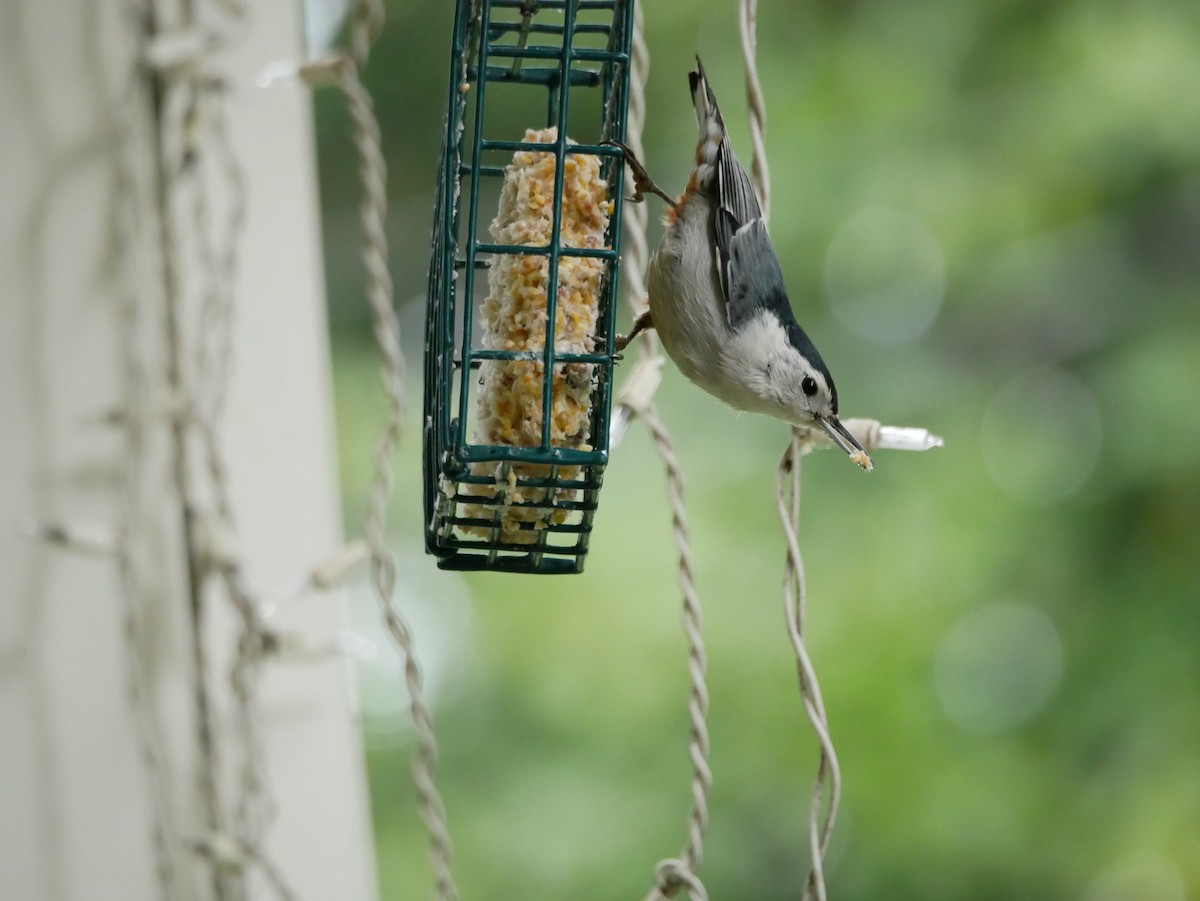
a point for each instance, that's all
(841, 436)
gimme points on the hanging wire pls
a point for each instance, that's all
(127, 223)
(636, 400)
(383, 563)
(756, 108)
(344, 72)
(635, 248)
(827, 788)
(171, 92)
(367, 21)
(196, 161)
(213, 351)
(672, 874)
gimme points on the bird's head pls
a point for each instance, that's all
(811, 394)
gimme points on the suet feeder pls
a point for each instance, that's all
(522, 282)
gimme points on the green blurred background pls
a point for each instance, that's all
(988, 214)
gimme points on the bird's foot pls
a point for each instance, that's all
(642, 182)
(643, 322)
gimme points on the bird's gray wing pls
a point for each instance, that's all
(751, 278)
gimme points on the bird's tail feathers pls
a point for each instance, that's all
(711, 125)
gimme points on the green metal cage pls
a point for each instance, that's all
(519, 64)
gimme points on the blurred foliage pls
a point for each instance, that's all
(1052, 152)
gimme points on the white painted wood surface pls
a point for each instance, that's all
(75, 814)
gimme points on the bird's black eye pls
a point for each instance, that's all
(809, 386)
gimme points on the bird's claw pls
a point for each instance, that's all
(642, 182)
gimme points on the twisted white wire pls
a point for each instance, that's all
(635, 251)
(671, 874)
(756, 108)
(136, 388)
(373, 175)
(172, 89)
(199, 263)
(366, 24)
(827, 788)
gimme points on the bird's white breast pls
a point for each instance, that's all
(689, 312)
(685, 294)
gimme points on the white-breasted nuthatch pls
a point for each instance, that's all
(717, 297)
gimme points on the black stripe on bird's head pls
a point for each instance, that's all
(804, 346)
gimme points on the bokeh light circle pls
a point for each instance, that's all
(997, 667)
(885, 276)
(1041, 435)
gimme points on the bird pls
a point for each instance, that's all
(716, 292)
